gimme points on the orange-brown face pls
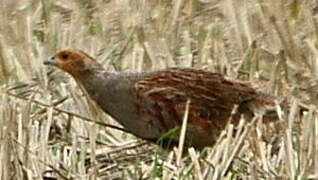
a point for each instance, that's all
(70, 60)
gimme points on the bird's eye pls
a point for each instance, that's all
(64, 56)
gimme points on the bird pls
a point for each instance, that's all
(150, 104)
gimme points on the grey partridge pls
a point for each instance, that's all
(149, 104)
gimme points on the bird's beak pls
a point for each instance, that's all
(49, 61)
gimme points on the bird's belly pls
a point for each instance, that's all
(140, 126)
(147, 127)
(150, 128)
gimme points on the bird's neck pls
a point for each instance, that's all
(94, 78)
(101, 88)
(88, 73)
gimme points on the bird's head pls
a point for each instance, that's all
(73, 61)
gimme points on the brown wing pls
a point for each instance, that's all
(163, 95)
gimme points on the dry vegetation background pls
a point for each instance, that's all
(47, 127)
